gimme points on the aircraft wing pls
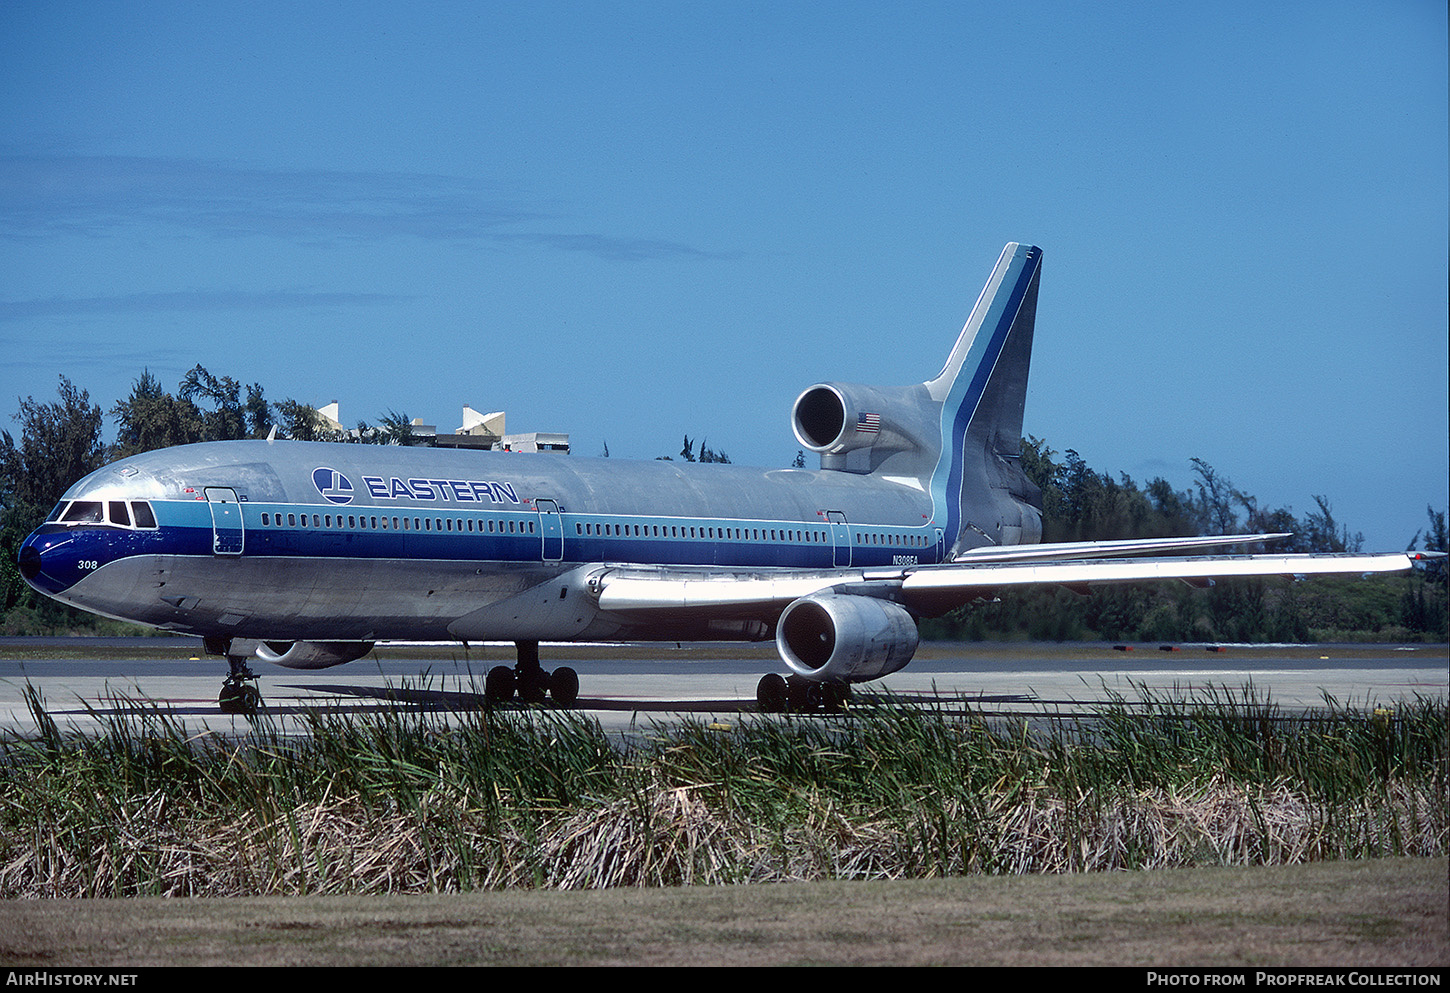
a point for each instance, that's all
(1073, 565)
(854, 625)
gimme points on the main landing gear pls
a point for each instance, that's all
(776, 694)
(529, 681)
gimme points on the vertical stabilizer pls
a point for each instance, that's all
(979, 493)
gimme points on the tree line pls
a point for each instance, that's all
(64, 439)
(1081, 504)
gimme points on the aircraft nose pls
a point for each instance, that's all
(43, 566)
(29, 562)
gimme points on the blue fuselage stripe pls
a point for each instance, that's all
(186, 529)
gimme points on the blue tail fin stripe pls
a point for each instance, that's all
(965, 394)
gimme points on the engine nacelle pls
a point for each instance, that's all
(853, 427)
(845, 638)
(312, 654)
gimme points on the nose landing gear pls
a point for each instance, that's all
(239, 694)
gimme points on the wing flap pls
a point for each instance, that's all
(675, 589)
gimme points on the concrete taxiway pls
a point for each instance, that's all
(84, 682)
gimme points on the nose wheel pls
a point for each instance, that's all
(239, 694)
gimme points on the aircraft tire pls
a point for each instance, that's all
(533, 687)
(564, 686)
(771, 693)
(242, 699)
(498, 685)
(804, 694)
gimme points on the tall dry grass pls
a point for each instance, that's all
(405, 800)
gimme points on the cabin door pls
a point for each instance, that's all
(227, 533)
(551, 527)
(840, 538)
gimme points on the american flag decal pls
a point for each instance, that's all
(868, 423)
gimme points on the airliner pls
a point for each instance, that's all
(306, 554)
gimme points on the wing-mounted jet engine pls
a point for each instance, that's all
(830, 641)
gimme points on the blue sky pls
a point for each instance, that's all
(633, 221)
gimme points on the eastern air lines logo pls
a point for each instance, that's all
(332, 484)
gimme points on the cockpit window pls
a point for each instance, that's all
(55, 514)
(84, 512)
(117, 513)
(144, 517)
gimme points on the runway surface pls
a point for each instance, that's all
(84, 681)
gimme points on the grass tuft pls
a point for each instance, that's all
(405, 800)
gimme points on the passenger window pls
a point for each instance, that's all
(141, 511)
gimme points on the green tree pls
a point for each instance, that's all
(300, 421)
(708, 454)
(1324, 534)
(59, 443)
(151, 418)
(258, 413)
(1215, 502)
(395, 428)
(226, 420)
(1425, 606)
